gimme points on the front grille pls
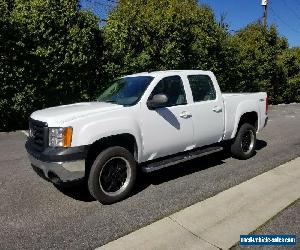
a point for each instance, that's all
(38, 134)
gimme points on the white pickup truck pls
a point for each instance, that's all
(144, 121)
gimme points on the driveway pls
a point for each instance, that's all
(36, 215)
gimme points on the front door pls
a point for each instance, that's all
(167, 130)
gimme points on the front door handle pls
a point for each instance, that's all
(185, 114)
(217, 109)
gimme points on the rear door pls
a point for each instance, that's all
(207, 110)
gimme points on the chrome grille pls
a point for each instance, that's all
(38, 134)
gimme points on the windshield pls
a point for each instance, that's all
(126, 91)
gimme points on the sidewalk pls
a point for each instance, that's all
(216, 223)
(286, 222)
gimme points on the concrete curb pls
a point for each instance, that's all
(216, 223)
(285, 104)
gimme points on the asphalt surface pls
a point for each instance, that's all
(286, 222)
(36, 215)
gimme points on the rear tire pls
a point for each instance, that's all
(112, 175)
(243, 146)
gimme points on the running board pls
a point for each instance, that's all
(173, 160)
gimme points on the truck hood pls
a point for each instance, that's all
(57, 115)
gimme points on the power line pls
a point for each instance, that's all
(283, 21)
(293, 11)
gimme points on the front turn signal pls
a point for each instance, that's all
(67, 137)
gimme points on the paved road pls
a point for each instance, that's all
(35, 215)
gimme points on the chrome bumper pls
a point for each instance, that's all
(58, 172)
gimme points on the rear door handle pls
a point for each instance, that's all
(185, 114)
(217, 109)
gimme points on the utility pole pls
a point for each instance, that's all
(264, 3)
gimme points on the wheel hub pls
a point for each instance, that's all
(115, 175)
(247, 142)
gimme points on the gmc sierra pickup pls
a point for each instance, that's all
(144, 121)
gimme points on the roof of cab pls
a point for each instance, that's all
(170, 72)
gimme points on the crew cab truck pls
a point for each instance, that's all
(144, 121)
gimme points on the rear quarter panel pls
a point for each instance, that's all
(238, 104)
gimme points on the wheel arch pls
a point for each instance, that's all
(247, 117)
(125, 140)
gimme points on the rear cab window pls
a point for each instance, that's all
(202, 88)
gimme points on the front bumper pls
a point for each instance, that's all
(58, 172)
(58, 165)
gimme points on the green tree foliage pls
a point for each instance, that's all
(51, 54)
(157, 35)
(289, 62)
(259, 49)
(267, 64)
(172, 34)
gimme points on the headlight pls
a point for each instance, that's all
(60, 137)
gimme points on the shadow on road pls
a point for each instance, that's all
(186, 168)
(260, 144)
(81, 193)
(179, 170)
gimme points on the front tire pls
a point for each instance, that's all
(244, 143)
(112, 175)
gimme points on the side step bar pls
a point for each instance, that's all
(178, 158)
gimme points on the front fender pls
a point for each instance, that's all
(89, 131)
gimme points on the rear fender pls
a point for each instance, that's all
(243, 108)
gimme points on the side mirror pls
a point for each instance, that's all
(157, 101)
